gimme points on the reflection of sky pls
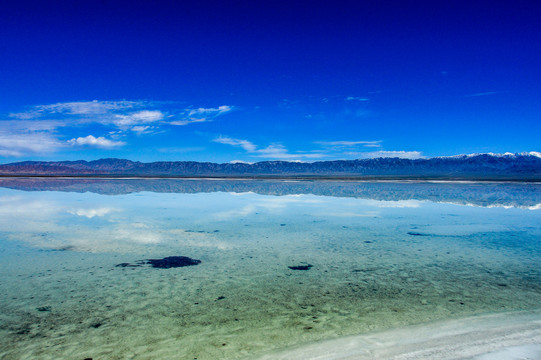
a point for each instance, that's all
(123, 223)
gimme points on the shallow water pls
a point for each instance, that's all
(383, 255)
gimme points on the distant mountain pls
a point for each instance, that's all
(521, 166)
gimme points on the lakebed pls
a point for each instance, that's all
(284, 266)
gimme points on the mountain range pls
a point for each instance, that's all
(489, 166)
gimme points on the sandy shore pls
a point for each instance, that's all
(501, 336)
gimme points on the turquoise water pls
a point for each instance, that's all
(384, 256)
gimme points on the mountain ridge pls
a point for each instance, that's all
(487, 166)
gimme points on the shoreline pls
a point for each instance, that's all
(501, 336)
(279, 178)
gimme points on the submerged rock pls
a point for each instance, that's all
(300, 267)
(173, 262)
(165, 263)
(125, 265)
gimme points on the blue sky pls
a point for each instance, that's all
(261, 80)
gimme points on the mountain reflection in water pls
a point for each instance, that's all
(485, 194)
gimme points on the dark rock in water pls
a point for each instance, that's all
(64, 248)
(173, 262)
(220, 298)
(124, 265)
(95, 325)
(44, 308)
(300, 267)
(165, 263)
(416, 234)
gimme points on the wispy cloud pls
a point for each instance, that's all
(278, 151)
(139, 129)
(17, 144)
(89, 107)
(487, 93)
(210, 111)
(202, 115)
(357, 98)
(44, 128)
(273, 151)
(100, 142)
(331, 149)
(25, 126)
(391, 154)
(181, 149)
(122, 114)
(188, 121)
(245, 144)
(345, 143)
(138, 118)
(94, 107)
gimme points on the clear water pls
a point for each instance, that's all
(383, 255)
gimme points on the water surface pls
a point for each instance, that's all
(383, 256)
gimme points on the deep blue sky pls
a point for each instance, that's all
(263, 80)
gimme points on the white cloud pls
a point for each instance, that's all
(210, 111)
(245, 144)
(43, 128)
(25, 126)
(372, 145)
(96, 141)
(88, 107)
(187, 121)
(278, 151)
(202, 115)
(8, 153)
(392, 154)
(375, 143)
(138, 118)
(273, 151)
(77, 108)
(121, 114)
(141, 129)
(18, 144)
